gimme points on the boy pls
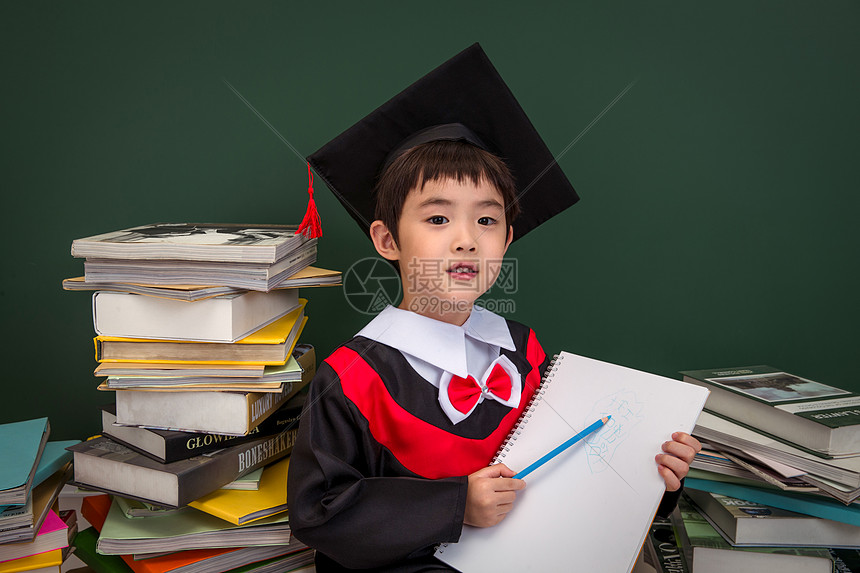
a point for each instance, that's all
(403, 421)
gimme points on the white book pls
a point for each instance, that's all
(589, 508)
(228, 413)
(225, 318)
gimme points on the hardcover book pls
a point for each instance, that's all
(226, 318)
(193, 241)
(229, 413)
(172, 445)
(712, 554)
(108, 466)
(811, 414)
(749, 523)
(271, 345)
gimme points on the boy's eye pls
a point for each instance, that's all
(486, 221)
(438, 220)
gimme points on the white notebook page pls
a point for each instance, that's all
(589, 508)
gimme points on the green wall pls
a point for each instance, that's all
(718, 221)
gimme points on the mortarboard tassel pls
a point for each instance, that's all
(310, 226)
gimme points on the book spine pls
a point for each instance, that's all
(529, 409)
(183, 445)
(232, 463)
(264, 404)
(666, 547)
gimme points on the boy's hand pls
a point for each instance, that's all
(491, 494)
(674, 464)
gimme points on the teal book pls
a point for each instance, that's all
(54, 457)
(23, 443)
(801, 503)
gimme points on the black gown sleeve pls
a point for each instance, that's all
(669, 501)
(348, 496)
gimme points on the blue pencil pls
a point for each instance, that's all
(587, 431)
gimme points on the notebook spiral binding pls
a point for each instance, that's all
(527, 412)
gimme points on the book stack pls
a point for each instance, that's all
(183, 541)
(251, 257)
(34, 534)
(197, 337)
(777, 482)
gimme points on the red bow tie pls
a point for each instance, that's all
(464, 393)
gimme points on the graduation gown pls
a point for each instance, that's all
(378, 474)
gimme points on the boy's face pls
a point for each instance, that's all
(452, 239)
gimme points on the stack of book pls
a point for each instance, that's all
(34, 534)
(777, 482)
(252, 257)
(183, 541)
(197, 329)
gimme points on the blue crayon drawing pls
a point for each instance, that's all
(626, 412)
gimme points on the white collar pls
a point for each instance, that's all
(438, 343)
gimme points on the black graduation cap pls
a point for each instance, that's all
(466, 90)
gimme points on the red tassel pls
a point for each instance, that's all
(310, 226)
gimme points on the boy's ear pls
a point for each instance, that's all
(383, 241)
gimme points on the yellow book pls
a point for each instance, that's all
(270, 345)
(38, 561)
(241, 507)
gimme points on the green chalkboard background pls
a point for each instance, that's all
(719, 217)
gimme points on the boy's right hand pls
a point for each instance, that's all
(490, 495)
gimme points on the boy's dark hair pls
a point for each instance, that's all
(441, 160)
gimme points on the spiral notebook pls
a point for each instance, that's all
(589, 508)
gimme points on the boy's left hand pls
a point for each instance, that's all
(674, 463)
